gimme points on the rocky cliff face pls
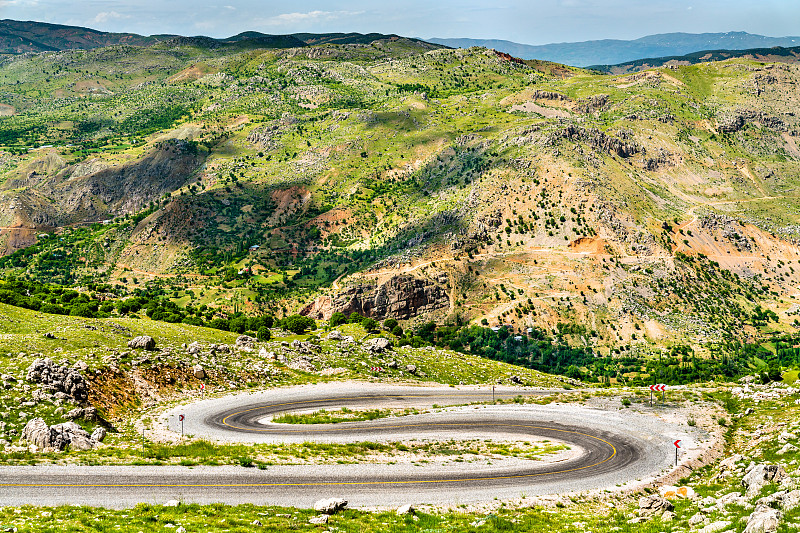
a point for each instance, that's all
(401, 297)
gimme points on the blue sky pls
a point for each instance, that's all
(531, 21)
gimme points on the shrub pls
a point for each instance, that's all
(370, 325)
(397, 331)
(389, 324)
(263, 334)
(337, 319)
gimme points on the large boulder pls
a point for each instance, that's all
(761, 475)
(99, 434)
(330, 505)
(37, 432)
(377, 345)
(198, 371)
(764, 519)
(142, 342)
(73, 436)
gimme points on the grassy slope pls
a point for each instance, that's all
(371, 165)
(126, 385)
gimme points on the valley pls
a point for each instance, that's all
(203, 227)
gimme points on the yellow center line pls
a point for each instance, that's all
(344, 483)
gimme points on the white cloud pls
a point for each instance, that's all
(232, 8)
(21, 3)
(105, 16)
(285, 19)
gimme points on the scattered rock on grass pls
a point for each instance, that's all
(330, 505)
(654, 505)
(99, 434)
(245, 343)
(405, 509)
(321, 519)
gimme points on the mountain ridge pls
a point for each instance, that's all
(776, 54)
(18, 37)
(615, 51)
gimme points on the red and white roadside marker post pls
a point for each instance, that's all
(181, 418)
(202, 391)
(677, 444)
(658, 388)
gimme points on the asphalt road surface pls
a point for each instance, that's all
(608, 448)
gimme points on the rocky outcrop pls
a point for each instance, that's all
(401, 297)
(63, 381)
(245, 343)
(761, 475)
(763, 520)
(59, 436)
(597, 140)
(732, 121)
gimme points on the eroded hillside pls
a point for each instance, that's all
(626, 213)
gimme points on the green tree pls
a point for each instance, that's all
(370, 325)
(263, 334)
(298, 324)
(389, 324)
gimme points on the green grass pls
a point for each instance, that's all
(334, 416)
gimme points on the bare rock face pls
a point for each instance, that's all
(401, 297)
(58, 379)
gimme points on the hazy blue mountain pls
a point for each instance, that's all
(614, 51)
(773, 54)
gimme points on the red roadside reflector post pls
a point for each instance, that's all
(677, 444)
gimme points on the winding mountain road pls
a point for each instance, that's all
(607, 448)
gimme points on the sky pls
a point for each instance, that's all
(522, 21)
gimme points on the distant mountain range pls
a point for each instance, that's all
(17, 37)
(613, 51)
(608, 55)
(777, 54)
